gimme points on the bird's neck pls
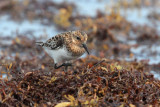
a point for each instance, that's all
(75, 50)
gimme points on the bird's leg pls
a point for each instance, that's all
(57, 67)
(64, 64)
(65, 68)
(67, 64)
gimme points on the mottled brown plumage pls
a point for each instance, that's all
(66, 46)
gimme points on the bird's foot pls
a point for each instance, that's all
(57, 67)
(67, 64)
(64, 64)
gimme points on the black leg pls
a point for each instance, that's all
(64, 64)
(65, 68)
(67, 64)
(57, 67)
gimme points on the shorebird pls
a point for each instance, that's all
(65, 47)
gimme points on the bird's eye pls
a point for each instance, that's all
(78, 38)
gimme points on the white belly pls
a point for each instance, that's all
(59, 55)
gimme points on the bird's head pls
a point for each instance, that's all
(79, 38)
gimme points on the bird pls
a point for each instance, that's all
(65, 46)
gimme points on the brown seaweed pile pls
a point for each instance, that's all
(90, 82)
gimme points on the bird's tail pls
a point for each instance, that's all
(39, 43)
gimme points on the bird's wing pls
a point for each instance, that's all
(54, 43)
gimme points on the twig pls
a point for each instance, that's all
(95, 65)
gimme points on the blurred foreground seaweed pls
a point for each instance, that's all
(107, 84)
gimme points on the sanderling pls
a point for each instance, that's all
(65, 47)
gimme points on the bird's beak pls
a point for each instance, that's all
(85, 47)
